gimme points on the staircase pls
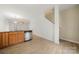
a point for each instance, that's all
(49, 15)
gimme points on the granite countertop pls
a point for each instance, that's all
(18, 31)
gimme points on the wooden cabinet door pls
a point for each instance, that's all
(5, 39)
(0, 40)
(12, 38)
(20, 37)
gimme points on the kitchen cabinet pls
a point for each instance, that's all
(20, 36)
(4, 39)
(0, 40)
(11, 38)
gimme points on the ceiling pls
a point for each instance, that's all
(30, 10)
(65, 6)
(33, 7)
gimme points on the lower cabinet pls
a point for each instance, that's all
(10, 38)
(1, 40)
(20, 36)
(4, 39)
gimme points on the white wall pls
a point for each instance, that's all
(35, 13)
(3, 24)
(43, 28)
(56, 30)
(69, 24)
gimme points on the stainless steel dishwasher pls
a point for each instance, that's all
(28, 35)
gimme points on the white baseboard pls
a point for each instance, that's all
(41, 36)
(71, 41)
